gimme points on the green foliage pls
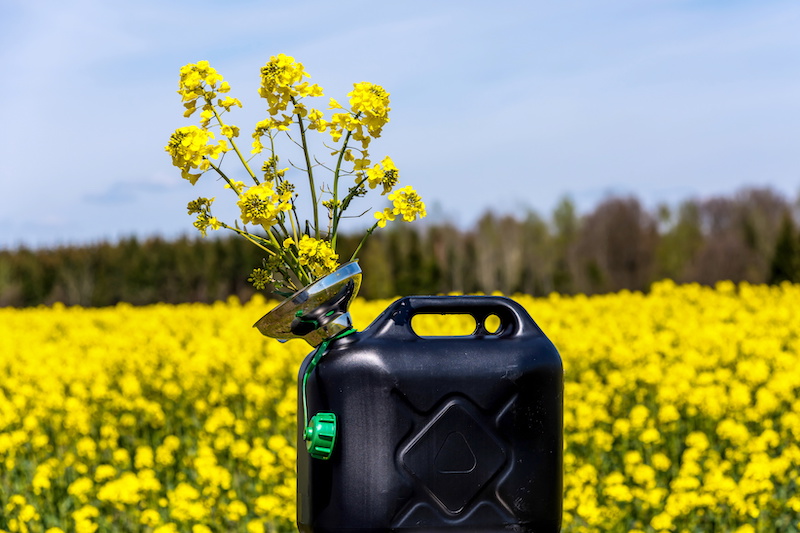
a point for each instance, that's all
(680, 241)
(619, 245)
(785, 264)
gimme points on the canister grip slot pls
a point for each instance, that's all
(514, 319)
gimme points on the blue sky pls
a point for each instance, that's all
(505, 106)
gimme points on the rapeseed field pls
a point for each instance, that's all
(681, 413)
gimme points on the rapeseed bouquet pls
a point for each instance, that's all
(297, 252)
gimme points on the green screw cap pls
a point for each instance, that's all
(320, 435)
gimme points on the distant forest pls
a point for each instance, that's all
(752, 235)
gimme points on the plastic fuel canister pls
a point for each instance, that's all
(434, 433)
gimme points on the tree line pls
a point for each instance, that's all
(752, 235)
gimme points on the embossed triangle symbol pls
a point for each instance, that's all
(455, 456)
(443, 456)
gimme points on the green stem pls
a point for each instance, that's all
(337, 212)
(290, 257)
(363, 240)
(294, 229)
(293, 218)
(272, 238)
(250, 237)
(235, 148)
(310, 172)
(222, 174)
(345, 203)
(351, 195)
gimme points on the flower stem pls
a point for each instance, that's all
(349, 197)
(363, 239)
(222, 174)
(337, 212)
(235, 148)
(289, 257)
(250, 237)
(309, 171)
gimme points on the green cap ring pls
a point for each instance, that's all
(320, 435)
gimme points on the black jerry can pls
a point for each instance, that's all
(437, 433)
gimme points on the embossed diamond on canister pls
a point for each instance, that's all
(454, 456)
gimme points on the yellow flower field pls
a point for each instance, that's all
(681, 413)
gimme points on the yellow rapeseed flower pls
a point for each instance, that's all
(316, 254)
(407, 203)
(384, 174)
(163, 416)
(261, 204)
(190, 149)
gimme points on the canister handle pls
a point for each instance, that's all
(514, 319)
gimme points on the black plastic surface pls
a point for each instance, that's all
(438, 433)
